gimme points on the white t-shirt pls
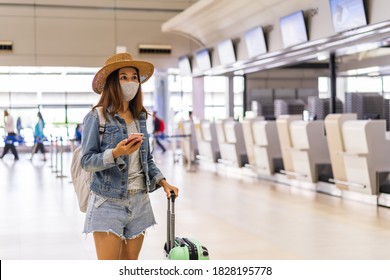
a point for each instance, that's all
(136, 178)
(9, 124)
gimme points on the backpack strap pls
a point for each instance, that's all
(102, 122)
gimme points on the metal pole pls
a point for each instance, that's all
(56, 155)
(332, 70)
(190, 153)
(51, 150)
(244, 97)
(61, 175)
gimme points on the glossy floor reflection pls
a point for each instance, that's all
(236, 218)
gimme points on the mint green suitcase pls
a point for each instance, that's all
(177, 248)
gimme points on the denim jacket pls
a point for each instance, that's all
(110, 175)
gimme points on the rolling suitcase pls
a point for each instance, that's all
(177, 248)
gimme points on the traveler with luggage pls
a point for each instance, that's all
(124, 172)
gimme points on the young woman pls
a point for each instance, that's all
(119, 209)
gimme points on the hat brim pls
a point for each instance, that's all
(145, 70)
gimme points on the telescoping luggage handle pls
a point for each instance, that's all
(171, 222)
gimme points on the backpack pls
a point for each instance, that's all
(162, 126)
(81, 179)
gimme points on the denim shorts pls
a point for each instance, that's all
(127, 218)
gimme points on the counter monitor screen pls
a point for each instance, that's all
(347, 14)
(203, 59)
(185, 66)
(255, 42)
(293, 29)
(226, 52)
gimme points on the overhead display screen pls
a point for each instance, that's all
(226, 52)
(203, 59)
(255, 42)
(347, 14)
(293, 29)
(185, 66)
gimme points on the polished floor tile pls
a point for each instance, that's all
(236, 217)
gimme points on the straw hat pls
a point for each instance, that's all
(118, 61)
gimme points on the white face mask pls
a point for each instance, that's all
(129, 90)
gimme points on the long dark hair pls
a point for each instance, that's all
(111, 96)
(39, 114)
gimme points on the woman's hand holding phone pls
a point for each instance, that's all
(128, 145)
(135, 137)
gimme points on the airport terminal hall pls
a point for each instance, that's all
(195, 129)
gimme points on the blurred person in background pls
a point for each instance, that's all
(11, 136)
(39, 137)
(158, 130)
(78, 133)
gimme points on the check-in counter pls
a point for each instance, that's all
(309, 151)
(249, 137)
(207, 141)
(366, 155)
(267, 153)
(283, 128)
(334, 136)
(231, 143)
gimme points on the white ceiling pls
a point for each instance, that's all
(210, 21)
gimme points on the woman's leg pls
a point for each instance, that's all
(131, 248)
(108, 245)
(34, 150)
(14, 151)
(41, 148)
(5, 151)
(160, 145)
(44, 152)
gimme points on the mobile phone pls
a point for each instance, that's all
(133, 136)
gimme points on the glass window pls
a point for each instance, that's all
(148, 89)
(180, 95)
(174, 83)
(364, 84)
(24, 99)
(76, 115)
(238, 84)
(215, 84)
(186, 84)
(219, 99)
(214, 113)
(82, 98)
(51, 89)
(51, 82)
(323, 87)
(4, 99)
(51, 98)
(323, 84)
(238, 89)
(5, 83)
(55, 121)
(386, 84)
(238, 112)
(148, 86)
(215, 89)
(75, 83)
(148, 99)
